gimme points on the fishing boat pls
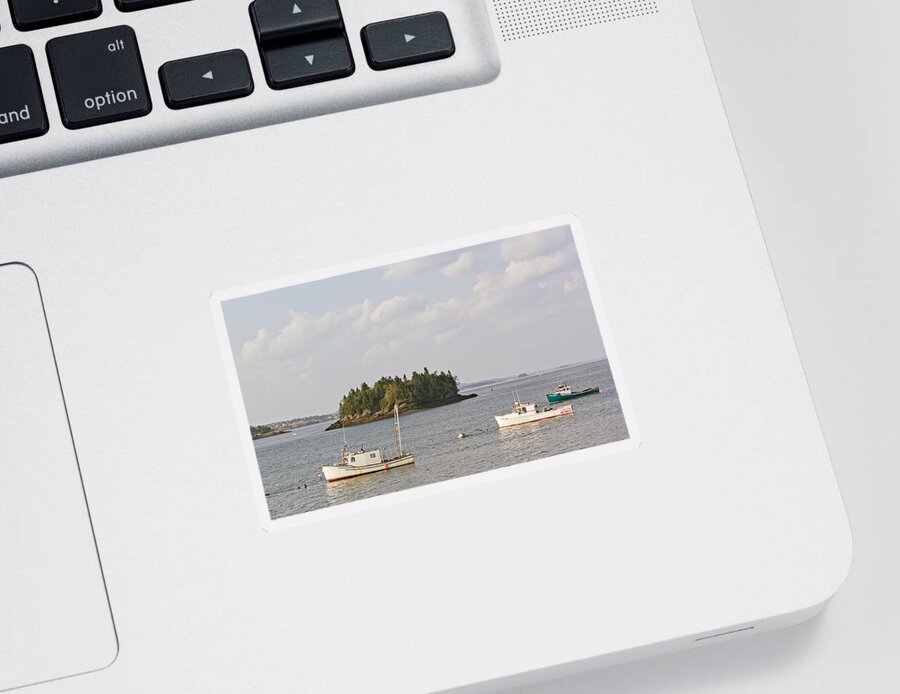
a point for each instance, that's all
(364, 462)
(564, 392)
(525, 413)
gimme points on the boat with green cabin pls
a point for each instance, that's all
(564, 392)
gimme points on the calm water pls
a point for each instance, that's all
(292, 460)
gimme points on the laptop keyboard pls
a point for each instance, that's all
(59, 74)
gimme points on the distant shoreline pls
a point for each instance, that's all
(266, 435)
(500, 380)
(387, 414)
(267, 431)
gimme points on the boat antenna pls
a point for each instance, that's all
(397, 426)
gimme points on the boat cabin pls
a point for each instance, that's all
(525, 409)
(362, 457)
(563, 389)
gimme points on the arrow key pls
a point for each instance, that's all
(408, 40)
(274, 20)
(205, 79)
(297, 64)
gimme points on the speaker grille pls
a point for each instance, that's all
(521, 19)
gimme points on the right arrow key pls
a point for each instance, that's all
(408, 40)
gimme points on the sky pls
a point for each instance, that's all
(517, 305)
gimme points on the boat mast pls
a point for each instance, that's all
(397, 426)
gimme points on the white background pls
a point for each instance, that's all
(812, 91)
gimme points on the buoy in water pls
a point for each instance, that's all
(461, 435)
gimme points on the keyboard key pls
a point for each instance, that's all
(407, 41)
(297, 64)
(131, 5)
(206, 79)
(99, 77)
(284, 19)
(37, 14)
(22, 111)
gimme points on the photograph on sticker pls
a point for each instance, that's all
(422, 371)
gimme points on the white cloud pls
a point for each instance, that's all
(464, 263)
(356, 323)
(380, 349)
(519, 271)
(255, 347)
(393, 324)
(522, 320)
(372, 329)
(437, 312)
(409, 268)
(376, 350)
(573, 283)
(532, 245)
(392, 308)
(446, 336)
(301, 330)
(486, 294)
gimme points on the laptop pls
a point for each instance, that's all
(386, 347)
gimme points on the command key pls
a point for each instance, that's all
(99, 77)
(21, 104)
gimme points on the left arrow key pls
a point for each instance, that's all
(206, 79)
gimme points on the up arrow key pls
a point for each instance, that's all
(287, 21)
(408, 37)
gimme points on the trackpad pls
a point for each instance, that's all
(55, 619)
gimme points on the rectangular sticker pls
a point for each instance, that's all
(418, 369)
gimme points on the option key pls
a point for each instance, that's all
(99, 77)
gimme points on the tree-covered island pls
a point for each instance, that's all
(417, 392)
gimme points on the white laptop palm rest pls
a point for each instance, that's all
(470, 366)
(51, 586)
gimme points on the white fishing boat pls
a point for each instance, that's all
(525, 413)
(364, 462)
